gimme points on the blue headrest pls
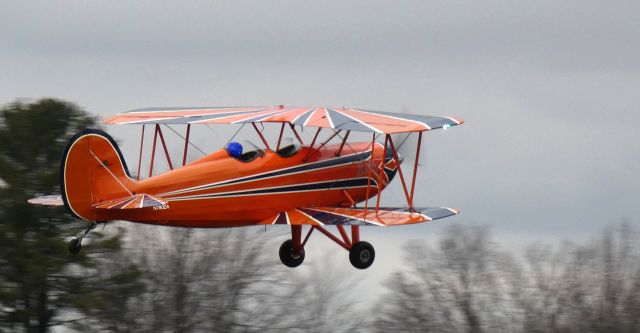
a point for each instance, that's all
(234, 149)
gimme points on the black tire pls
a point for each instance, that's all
(362, 255)
(75, 245)
(288, 257)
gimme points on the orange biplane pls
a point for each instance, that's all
(296, 184)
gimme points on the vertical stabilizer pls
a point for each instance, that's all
(92, 170)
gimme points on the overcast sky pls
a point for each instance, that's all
(549, 90)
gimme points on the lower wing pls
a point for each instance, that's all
(387, 216)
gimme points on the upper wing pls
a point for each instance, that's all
(388, 216)
(336, 118)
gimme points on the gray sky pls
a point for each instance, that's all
(549, 90)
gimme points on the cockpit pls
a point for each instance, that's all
(288, 148)
(247, 151)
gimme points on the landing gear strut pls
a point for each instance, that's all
(361, 254)
(75, 245)
(292, 250)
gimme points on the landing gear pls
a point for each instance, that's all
(361, 255)
(288, 256)
(75, 245)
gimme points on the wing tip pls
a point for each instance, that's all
(456, 121)
(455, 211)
(47, 200)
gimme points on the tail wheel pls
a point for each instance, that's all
(75, 245)
(288, 257)
(362, 255)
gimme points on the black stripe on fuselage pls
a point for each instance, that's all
(280, 172)
(326, 185)
(311, 166)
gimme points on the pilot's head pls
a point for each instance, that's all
(234, 149)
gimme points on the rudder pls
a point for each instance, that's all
(92, 170)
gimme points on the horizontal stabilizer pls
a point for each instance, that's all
(387, 216)
(47, 200)
(135, 201)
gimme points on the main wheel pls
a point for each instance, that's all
(75, 245)
(361, 255)
(288, 257)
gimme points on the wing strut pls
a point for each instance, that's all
(186, 145)
(404, 184)
(366, 202)
(312, 143)
(164, 146)
(346, 136)
(408, 191)
(140, 156)
(293, 128)
(380, 178)
(280, 136)
(415, 166)
(261, 136)
(157, 133)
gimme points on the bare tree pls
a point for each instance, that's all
(541, 289)
(108, 287)
(224, 281)
(230, 280)
(462, 285)
(585, 288)
(318, 297)
(192, 280)
(467, 284)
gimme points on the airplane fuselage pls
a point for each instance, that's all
(221, 191)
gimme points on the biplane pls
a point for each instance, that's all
(318, 184)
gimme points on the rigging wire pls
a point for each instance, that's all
(190, 143)
(236, 133)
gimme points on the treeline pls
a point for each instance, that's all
(219, 281)
(180, 280)
(151, 279)
(230, 281)
(467, 283)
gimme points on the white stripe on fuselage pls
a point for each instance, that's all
(234, 181)
(241, 193)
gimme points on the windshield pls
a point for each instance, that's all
(245, 152)
(287, 148)
(249, 146)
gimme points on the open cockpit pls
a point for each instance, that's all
(247, 151)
